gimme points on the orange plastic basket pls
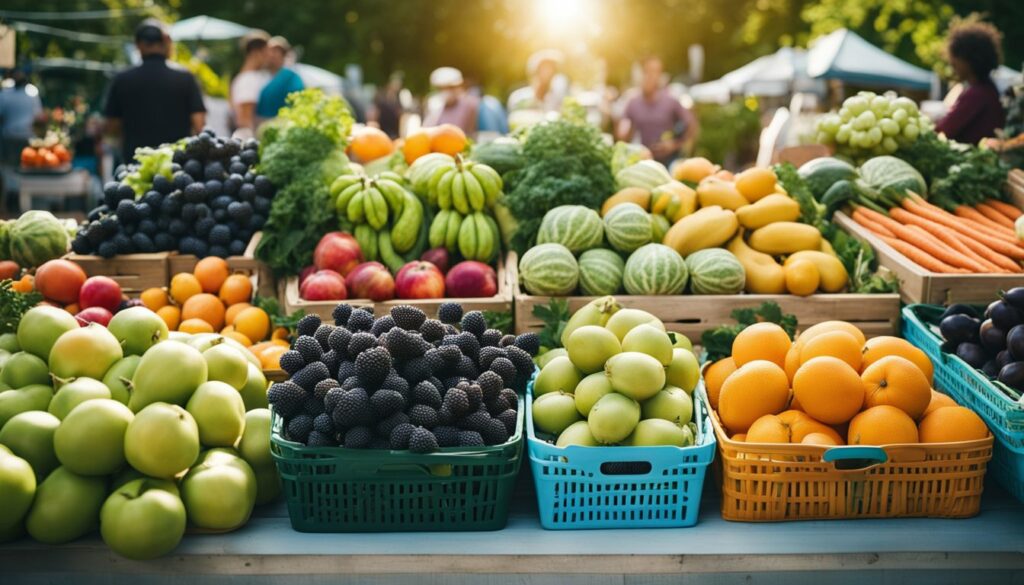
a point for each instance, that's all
(775, 482)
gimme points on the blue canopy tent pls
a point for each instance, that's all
(845, 56)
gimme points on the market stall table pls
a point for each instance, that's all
(73, 184)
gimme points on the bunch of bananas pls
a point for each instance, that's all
(475, 236)
(453, 183)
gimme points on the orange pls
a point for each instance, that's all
(195, 326)
(369, 143)
(73, 308)
(761, 341)
(237, 288)
(154, 298)
(740, 437)
(828, 389)
(755, 183)
(801, 425)
(951, 424)
(837, 344)
(24, 284)
(171, 315)
(206, 307)
(768, 429)
(794, 404)
(882, 425)
(184, 286)
(938, 401)
(878, 347)
(253, 322)
(826, 326)
(820, 439)
(754, 390)
(270, 358)
(211, 273)
(898, 382)
(281, 334)
(233, 311)
(724, 175)
(447, 138)
(792, 362)
(693, 170)
(416, 145)
(714, 377)
(239, 337)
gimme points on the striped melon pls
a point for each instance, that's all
(715, 271)
(574, 226)
(549, 269)
(600, 272)
(659, 227)
(655, 269)
(646, 174)
(627, 227)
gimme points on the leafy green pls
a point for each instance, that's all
(811, 211)
(14, 304)
(327, 115)
(717, 342)
(151, 162)
(859, 259)
(957, 174)
(500, 320)
(555, 315)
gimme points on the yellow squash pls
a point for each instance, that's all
(833, 274)
(769, 209)
(674, 200)
(715, 191)
(710, 227)
(756, 183)
(785, 237)
(641, 197)
(764, 275)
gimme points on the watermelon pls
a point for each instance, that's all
(549, 269)
(601, 272)
(715, 271)
(655, 269)
(503, 154)
(820, 173)
(574, 226)
(35, 237)
(627, 227)
(646, 174)
(659, 227)
(892, 176)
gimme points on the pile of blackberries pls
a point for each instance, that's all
(211, 206)
(403, 381)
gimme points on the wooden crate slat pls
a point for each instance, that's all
(133, 272)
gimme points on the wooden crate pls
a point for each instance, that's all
(918, 285)
(691, 315)
(245, 264)
(1015, 187)
(502, 302)
(134, 272)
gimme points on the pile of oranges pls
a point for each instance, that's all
(832, 387)
(44, 157)
(210, 299)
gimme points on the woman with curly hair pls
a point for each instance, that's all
(973, 50)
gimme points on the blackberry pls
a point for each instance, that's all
(528, 342)
(322, 334)
(451, 354)
(511, 397)
(246, 192)
(510, 418)
(396, 383)
(422, 441)
(332, 398)
(405, 344)
(441, 388)
(332, 361)
(313, 407)
(447, 436)
(432, 330)
(300, 427)
(445, 417)
(449, 312)
(416, 370)
(338, 340)
(287, 398)
(346, 370)
(468, 344)
(181, 179)
(399, 438)
(522, 360)
(490, 338)
(489, 354)
(323, 386)
(353, 409)
(435, 361)
(387, 425)
(497, 406)
(382, 325)
(340, 314)
(351, 382)
(319, 439)
(358, 438)
(309, 348)
(467, 369)
(470, 439)
(494, 432)
(236, 247)
(308, 376)
(143, 243)
(361, 342)
(474, 322)
(360, 321)
(386, 401)
(491, 385)
(373, 365)
(475, 395)
(240, 211)
(194, 192)
(308, 325)
(504, 368)
(408, 317)
(450, 330)
(426, 393)
(507, 341)
(422, 415)
(456, 402)
(453, 382)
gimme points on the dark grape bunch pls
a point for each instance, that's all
(402, 381)
(211, 205)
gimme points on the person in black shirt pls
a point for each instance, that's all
(155, 102)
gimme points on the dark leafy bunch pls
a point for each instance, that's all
(13, 305)
(554, 315)
(403, 381)
(566, 162)
(957, 174)
(717, 342)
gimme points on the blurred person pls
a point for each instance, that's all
(451, 104)
(284, 79)
(655, 118)
(546, 90)
(973, 51)
(247, 85)
(388, 106)
(20, 107)
(156, 102)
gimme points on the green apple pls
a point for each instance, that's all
(24, 368)
(681, 341)
(29, 435)
(118, 378)
(578, 433)
(590, 390)
(219, 411)
(651, 340)
(67, 506)
(219, 491)
(254, 446)
(625, 320)
(31, 397)
(655, 432)
(168, 372)
(162, 440)
(226, 364)
(204, 341)
(671, 404)
(90, 441)
(590, 347)
(637, 375)
(543, 359)
(613, 418)
(254, 392)
(555, 411)
(137, 329)
(17, 489)
(142, 519)
(126, 474)
(74, 393)
(684, 370)
(9, 341)
(87, 351)
(559, 375)
(40, 327)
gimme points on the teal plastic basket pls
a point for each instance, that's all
(619, 487)
(971, 388)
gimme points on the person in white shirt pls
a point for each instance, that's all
(547, 88)
(247, 85)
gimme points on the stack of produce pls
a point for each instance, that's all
(48, 153)
(445, 139)
(832, 387)
(32, 239)
(93, 299)
(620, 380)
(137, 436)
(402, 381)
(992, 342)
(199, 197)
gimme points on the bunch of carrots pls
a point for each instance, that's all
(978, 239)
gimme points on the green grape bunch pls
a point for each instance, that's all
(869, 124)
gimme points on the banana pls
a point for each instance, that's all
(432, 184)
(495, 233)
(596, 312)
(376, 208)
(474, 192)
(406, 226)
(438, 228)
(444, 189)
(420, 245)
(451, 237)
(468, 238)
(394, 193)
(424, 167)
(343, 198)
(485, 242)
(356, 209)
(343, 182)
(367, 239)
(490, 180)
(459, 200)
(387, 254)
(389, 176)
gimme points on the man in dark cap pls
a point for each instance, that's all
(156, 102)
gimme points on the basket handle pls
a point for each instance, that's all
(848, 453)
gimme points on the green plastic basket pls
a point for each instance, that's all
(334, 489)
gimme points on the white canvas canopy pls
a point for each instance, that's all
(207, 28)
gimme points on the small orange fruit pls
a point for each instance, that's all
(184, 286)
(369, 144)
(236, 288)
(239, 337)
(253, 322)
(951, 424)
(801, 425)
(416, 144)
(898, 382)
(233, 311)
(802, 277)
(693, 170)
(270, 358)
(769, 429)
(882, 425)
(206, 307)
(447, 138)
(195, 326)
(714, 377)
(154, 298)
(826, 326)
(837, 344)
(25, 284)
(754, 390)
(878, 347)
(820, 439)
(792, 362)
(829, 389)
(211, 273)
(73, 308)
(761, 341)
(756, 183)
(171, 315)
(938, 401)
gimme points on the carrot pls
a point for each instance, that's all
(1005, 208)
(973, 215)
(920, 257)
(880, 219)
(926, 242)
(994, 214)
(947, 237)
(1006, 264)
(949, 221)
(872, 226)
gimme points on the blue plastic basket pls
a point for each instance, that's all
(619, 487)
(971, 388)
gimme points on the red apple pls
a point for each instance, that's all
(337, 251)
(100, 291)
(94, 315)
(306, 273)
(60, 280)
(371, 280)
(438, 257)
(419, 280)
(324, 285)
(8, 269)
(471, 279)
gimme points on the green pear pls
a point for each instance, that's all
(31, 397)
(72, 394)
(24, 368)
(226, 364)
(254, 392)
(169, 372)
(29, 435)
(90, 440)
(219, 491)
(118, 378)
(66, 507)
(254, 446)
(220, 413)
(17, 489)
